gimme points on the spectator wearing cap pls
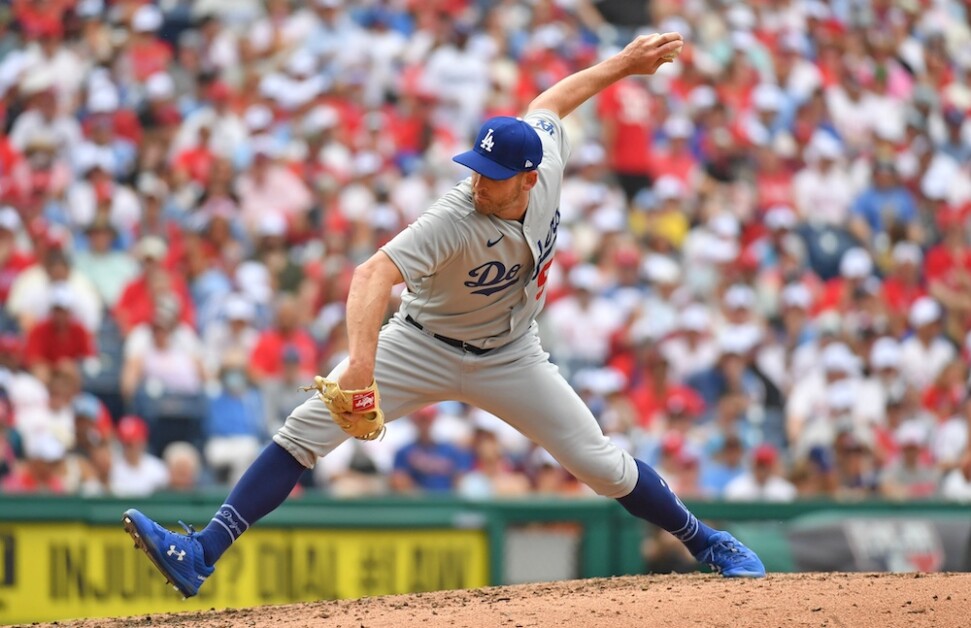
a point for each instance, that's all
(675, 159)
(103, 136)
(666, 222)
(281, 395)
(272, 251)
(426, 464)
(138, 300)
(13, 260)
(42, 115)
(904, 284)
(948, 264)
(823, 189)
(42, 470)
(230, 339)
(163, 357)
(107, 268)
(37, 182)
(763, 481)
(194, 162)
(926, 352)
(234, 427)
(95, 193)
(270, 187)
(58, 342)
(708, 250)
(589, 186)
(795, 303)
(839, 294)
(29, 295)
(885, 207)
(692, 349)
(581, 324)
(144, 53)
(781, 220)
(912, 475)
(266, 360)
(134, 471)
(832, 391)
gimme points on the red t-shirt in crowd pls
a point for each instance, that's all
(774, 188)
(267, 356)
(942, 261)
(149, 57)
(681, 166)
(628, 105)
(47, 343)
(900, 296)
(136, 305)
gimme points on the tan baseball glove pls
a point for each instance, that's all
(357, 412)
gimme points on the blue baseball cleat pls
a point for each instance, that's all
(727, 556)
(178, 556)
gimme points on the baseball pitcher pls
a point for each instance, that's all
(475, 266)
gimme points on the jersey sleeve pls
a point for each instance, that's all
(556, 146)
(426, 245)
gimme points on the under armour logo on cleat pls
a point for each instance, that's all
(179, 554)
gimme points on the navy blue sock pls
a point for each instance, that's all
(654, 501)
(264, 486)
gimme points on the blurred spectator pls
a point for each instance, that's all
(184, 466)
(549, 477)
(270, 188)
(230, 340)
(912, 475)
(762, 482)
(134, 471)
(108, 269)
(165, 354)
(582, 323)
(492, 475)
(281, 395)
(42, 470)
(13, 260)
(29, 295)
(885, 208)
(10, 444)
(266, 360)
(58, 342)
(855, 468)
(823, 189)
(139, 298)
(957, 483)
(427, 464)
(926, 352)
(726, 464)
(234, 428)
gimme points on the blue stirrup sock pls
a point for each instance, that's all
(655, 502)
(263, 487)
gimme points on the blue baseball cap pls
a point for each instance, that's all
(504, 147)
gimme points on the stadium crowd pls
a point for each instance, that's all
(763, 277)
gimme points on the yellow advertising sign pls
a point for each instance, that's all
(66, 571)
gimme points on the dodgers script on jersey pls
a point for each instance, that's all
(479, 278)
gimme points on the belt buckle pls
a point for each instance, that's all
(468, 348)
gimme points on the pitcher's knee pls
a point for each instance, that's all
(302, 454)
(609, 471)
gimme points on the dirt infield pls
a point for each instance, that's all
(832, 600)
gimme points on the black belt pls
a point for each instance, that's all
(458, 344)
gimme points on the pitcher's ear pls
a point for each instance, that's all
(530, 179)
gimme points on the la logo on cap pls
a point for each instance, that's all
(487, 142)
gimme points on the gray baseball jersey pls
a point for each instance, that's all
(481, 280)
(478, 278)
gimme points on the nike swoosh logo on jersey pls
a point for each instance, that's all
(490, 243)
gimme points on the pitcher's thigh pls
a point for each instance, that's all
(538, 402)
(409, 375)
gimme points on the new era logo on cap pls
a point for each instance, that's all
(504, 147)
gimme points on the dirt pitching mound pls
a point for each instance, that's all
(833, 600)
